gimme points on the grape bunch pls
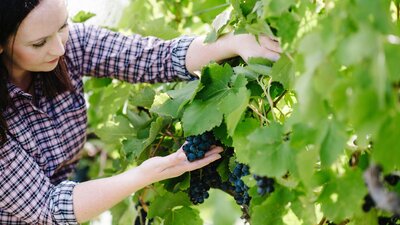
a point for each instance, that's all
(198, 190)
(265, 185)
(202, 180)
(197, 146)
(211, 175)
(241, 189)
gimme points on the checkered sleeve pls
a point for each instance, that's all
(27, 195)
(102, 53)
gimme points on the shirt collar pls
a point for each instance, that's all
(16, 91)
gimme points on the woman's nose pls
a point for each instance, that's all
(57, 47)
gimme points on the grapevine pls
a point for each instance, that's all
(310, 129)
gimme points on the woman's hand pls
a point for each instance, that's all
(95, 196)
(161, 168)
(228, 46)
(246, 46)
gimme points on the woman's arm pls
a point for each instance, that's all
(99, 52)
(93, 197)
(228, 46)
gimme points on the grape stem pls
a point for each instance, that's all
(143, 204)
(153, 152)
(262, 117)
(384, 199)
(276, 101)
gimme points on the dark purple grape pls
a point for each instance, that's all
(191, 157)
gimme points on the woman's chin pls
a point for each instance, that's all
(47, 68)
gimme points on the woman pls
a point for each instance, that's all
(43, 120)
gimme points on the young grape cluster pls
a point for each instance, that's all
(265, 185)
(197, 146)
(241, 189)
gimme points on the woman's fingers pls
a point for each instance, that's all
(179, 157)
(214, 149)
(274, 56)
(175, 157)
(249, 46)
(211, 157)
(270, 44)
(274, 38)
(179, 164)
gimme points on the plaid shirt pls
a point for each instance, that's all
(44, 133)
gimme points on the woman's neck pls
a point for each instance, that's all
(22, 80)
(18, 76)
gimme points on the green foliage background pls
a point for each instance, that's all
(333, 97)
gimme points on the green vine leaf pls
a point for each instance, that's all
(223, 94)
(283, 71)
(163, 205)
(82, 16)
(268, 153)
(333, 143)
(136, 146)
(385, 152)
(113, 131)
(271, 211)
(340, 193)
(172, 102)
(182, 216)
(240, 142)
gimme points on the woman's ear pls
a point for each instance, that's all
(1, 50)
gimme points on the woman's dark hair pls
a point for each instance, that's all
(12, 13)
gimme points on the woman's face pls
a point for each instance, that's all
(40, 39)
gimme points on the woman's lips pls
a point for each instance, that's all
(54, 60)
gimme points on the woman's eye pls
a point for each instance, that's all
(64, 26)
(40, 44)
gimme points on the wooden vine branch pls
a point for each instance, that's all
(384, 199)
